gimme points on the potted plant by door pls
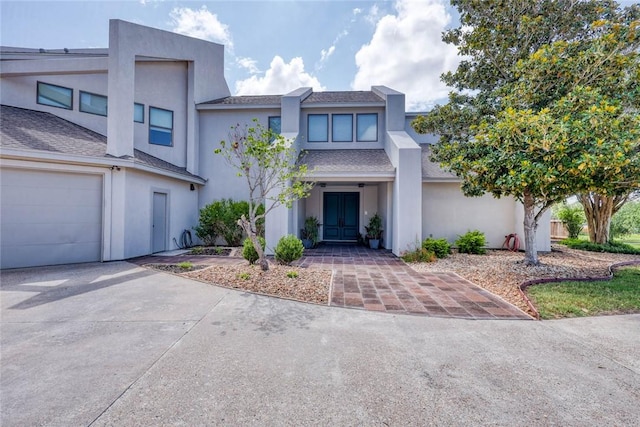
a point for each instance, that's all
(310, 232)
(374, 231)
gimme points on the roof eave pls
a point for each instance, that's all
(352, 176)
(205, 107)
(107, 162)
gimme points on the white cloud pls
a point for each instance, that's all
(200, 24)
(357, 11)
(406, 53)
(373, 15)
(325, 54)
(249, 64)
(280, 78)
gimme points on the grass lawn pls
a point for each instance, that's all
(577, 299)
(629, 239)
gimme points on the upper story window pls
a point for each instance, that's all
(55, 96)
(275, 125)
(93, 104)
(138, 113)
(318, 127)
(160, 126)
(367, 127)
(342, 127)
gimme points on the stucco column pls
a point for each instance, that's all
(121, 85)
(277, 224)
(407, 199)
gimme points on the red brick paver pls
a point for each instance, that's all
(377, 280)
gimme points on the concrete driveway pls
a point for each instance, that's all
(115, 344)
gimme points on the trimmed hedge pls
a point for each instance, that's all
(288, 249)
(611, 247)
(472, 242)
(440, 247)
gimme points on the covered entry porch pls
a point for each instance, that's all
(345, 208)
(351, 187)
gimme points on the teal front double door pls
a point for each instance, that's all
(341, 216)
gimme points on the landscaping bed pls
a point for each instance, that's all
(502, 272)
(300, 284)
(176, 268)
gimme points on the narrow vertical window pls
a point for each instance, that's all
(318, 128)
(275, 126)
(367, 127)
(342, 127)
(160, 126)
(93, 104)
(55, 96)
(138, 113)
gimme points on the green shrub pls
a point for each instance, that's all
(249, 252)
(611, 247)
(472, 242)
(440, 247)
(292, 274)
(220, 219)
(288, 249)
(185, 265)
(419, 255)
(243, 276)
(573, 218)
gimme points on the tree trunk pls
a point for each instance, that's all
(250, 228)
(530, 227)
(599, 209)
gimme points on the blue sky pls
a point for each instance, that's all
(272, 47)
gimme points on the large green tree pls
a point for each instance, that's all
(523, 120)
(268, 163)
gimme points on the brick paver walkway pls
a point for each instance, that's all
(377, 280)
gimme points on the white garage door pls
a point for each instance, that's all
(49, 218)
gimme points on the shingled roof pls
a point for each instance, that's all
(38, 131)
(432, 170)
(247, 100)
(345, 97)
(337, 162)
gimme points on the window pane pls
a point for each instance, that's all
(138, 113)
(94, 104)
(160, 126)
(342, 127)
(275, 125)
(367, 127)
(159, 136)
(318, 128)
(161, 118)
(55, 96)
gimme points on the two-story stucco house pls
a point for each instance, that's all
(108, 154)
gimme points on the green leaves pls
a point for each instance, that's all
(267, 161)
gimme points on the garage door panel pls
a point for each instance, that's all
(45, 197)
(47, 234)
(23, 256)
(50, 218)
(22, 214)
